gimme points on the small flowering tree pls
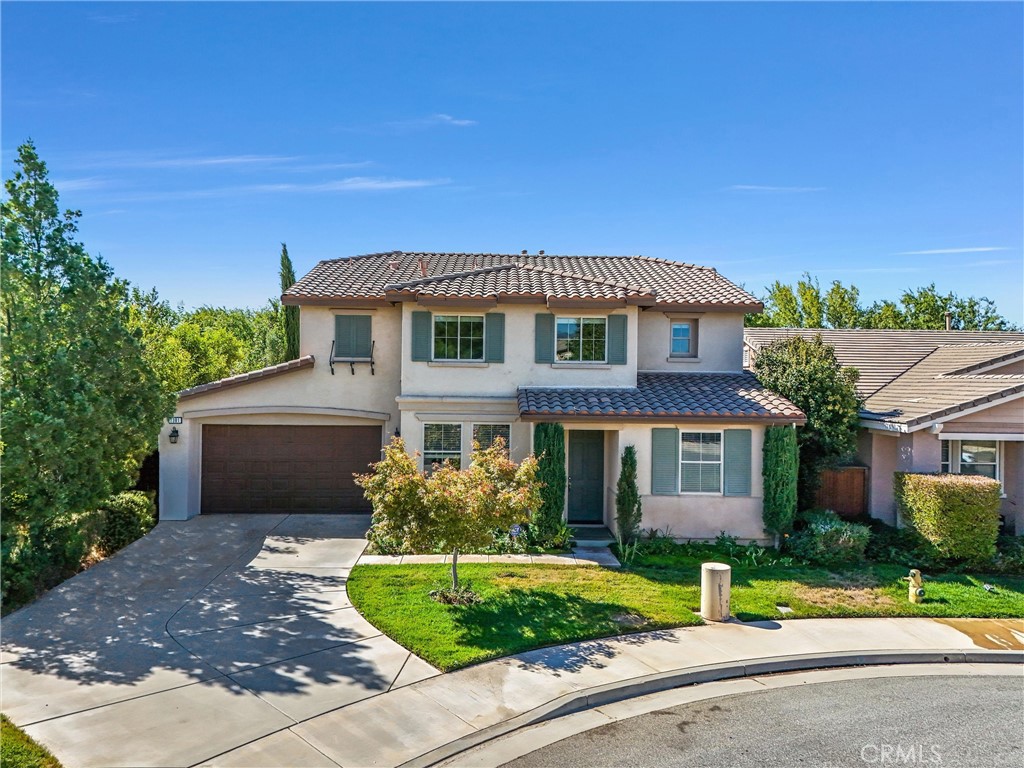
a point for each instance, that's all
(451, 508)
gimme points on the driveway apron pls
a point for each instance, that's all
(201, 637)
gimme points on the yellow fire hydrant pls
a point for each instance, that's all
(915, 592)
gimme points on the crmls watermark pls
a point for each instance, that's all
(900, 754)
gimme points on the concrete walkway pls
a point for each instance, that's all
(229, 641)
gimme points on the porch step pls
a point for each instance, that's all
(591, 536)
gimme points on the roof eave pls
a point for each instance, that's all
(661, 418)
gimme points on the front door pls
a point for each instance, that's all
(586, 476)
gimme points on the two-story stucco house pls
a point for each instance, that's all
(447, 349)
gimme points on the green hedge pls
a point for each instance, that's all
(959, 514)
(126, 517)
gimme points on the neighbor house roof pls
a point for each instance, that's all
(665, 397)
(880, 355)
(246, 378)
(910, 379)
(399, 276)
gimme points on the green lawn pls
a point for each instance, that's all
(528, 606)
(19, 751)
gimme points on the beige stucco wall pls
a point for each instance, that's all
(519, 368)
(1016, 367)
(1006, 418)
(719, 342)
(699, 516)
(879, 451)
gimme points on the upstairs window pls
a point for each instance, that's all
(683, 341)
(441, 443)
(581, 339)
(459, 337)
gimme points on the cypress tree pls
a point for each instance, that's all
(291, 313)
(627, 497)
(549, 447)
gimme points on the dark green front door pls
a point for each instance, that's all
(586, 476)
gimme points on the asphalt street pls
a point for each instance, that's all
(961, 722)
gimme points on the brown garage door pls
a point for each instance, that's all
(250, 468)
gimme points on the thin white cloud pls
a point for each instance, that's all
(937, 251)
(351, 184)
(766, 188)
(430, 121)
(221, 160)
(74, 185)
(172, 161)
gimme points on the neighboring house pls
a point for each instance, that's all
(447, 349)
(934, 401)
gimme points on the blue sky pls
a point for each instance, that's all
(878, 144)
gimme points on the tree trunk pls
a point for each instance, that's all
(455, 569)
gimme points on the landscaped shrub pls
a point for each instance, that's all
(779, 469)
(549, 448)
(628, 510)
(126, 517)
(1009, 555)
(902, 546)
(36, 560)
(827, 539)
(959, 514)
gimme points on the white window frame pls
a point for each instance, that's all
(434, 317)
(581, 318)
(428, 464)
(955, 452)
(693, 323)
(475, 424)
(721, 462)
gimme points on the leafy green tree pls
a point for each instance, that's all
(842, 307)
(549, 447)
(291, 313)
(458, 509)
(812, 307)
(628, 508)
(923, 308)
(779, 469)
(81, 405)
(807, 373)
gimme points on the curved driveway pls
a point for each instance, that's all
(200, 637)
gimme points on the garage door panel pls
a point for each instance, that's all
(257, 468)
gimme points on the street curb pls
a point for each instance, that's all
(609, 693)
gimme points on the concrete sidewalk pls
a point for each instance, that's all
(230, 641)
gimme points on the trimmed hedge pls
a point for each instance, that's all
(827, 539)
(958, 514)
(126, 517)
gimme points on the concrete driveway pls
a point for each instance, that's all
(203, 636)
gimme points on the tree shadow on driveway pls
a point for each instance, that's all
(195, 601)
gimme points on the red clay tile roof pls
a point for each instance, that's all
(665, 397)
(246, 378)
(398, 276)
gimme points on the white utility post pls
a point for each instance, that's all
(715, 589)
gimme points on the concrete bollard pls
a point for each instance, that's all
(715, 589)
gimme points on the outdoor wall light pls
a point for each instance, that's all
(173, 436)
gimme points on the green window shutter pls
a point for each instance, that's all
(422, 335)
(343, 335)
(736, 461)
(617, 339)
(352, 337)
(544, 340)
(664, 461)
(494, 333)
(361, 337)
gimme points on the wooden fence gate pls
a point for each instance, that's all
(844, 490)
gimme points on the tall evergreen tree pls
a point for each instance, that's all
(291, 313)
(81, 405)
